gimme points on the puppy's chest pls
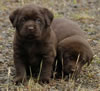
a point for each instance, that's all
(33, 50)
(33, 54)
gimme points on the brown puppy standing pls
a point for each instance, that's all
(34, 41)
(71, 45)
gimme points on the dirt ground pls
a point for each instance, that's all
(84, 12)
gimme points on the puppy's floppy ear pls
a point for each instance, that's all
(13, 17)
(87, 59)
(48, 15)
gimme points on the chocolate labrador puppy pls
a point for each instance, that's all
(73, 49)
(34, 41)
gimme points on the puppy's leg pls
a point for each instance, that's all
(20, 72)
(47, 66)
(59, 64)
(46, 69)
(19, 65)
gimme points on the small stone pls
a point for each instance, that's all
(98, 27)
(1, 60)
(98, 74)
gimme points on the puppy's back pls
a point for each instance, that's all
(65, 28)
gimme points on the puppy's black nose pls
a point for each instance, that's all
(31, 28)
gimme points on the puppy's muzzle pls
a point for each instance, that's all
(30, 26)
(30, 29)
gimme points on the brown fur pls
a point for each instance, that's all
(34, 41)
(71, 43)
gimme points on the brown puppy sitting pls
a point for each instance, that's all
(34, 41)
(73, 49)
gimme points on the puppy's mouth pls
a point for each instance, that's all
(32, 37)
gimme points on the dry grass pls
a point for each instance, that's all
(32, 85)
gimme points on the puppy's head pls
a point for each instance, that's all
(70, 62)
(76, 52)
(31, 21)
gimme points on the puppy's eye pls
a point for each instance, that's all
(38, 21)
(71, 58)
(23, 20)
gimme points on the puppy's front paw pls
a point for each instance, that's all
(44, 80)
(19, 79)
